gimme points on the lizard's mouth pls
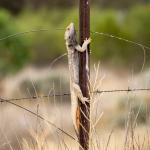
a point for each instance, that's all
(71, 25)
(70, 30)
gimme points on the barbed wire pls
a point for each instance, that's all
(2, 99)
(9, 101)
(123, 90)
(63, 29)
(121, 39)
(39, 116)
(26, 32)
(41, 97)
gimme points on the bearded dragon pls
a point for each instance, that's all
(73, 49)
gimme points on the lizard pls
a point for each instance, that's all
(73, 49)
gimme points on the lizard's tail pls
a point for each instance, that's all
(77, 123)
(78, 119)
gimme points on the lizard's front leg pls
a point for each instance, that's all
(84, 45)
(79, 94)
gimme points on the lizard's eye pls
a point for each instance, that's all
(68, 29)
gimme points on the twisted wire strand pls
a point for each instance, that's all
(3, 99)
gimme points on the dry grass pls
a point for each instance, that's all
(20, 130)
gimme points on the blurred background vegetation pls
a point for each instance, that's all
(125, 18)
(129, 19)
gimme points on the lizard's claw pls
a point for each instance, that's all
(85, 100)
(87, 41)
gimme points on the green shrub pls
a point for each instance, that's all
(132, 25)
(47, 45)
(13, 51)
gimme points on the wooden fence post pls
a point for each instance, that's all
(84, 115)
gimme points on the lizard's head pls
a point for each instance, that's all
(70, 33)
